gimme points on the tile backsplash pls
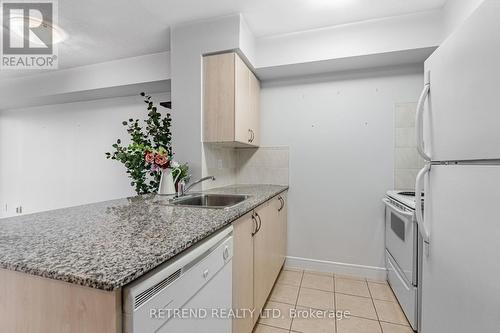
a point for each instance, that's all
(219, 162)
(407, 161)
(263, 165)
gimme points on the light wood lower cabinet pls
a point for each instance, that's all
(243, 270)
(34, 304)
(262, 256)
(259, 254)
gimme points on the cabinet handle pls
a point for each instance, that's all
(252, 135)
(282, 203)
(260, 221)
(256, 225)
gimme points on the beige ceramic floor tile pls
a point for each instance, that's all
(319, 273)
(284, 293)
(294, 269)
(351, 287)
(268, 329)
(358, 325)
(390, 312)
(393, 328)
(277, 315)
(381, 292)
(377, 281)
(316, 281)
(313, 321)
(292, 278)
(357, 306)
(317, 299)
(349, 277)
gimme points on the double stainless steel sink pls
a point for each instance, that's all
(219, 201)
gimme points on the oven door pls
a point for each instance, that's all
(401, 236)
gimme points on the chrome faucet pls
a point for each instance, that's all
(182, 189)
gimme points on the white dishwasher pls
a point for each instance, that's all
(188, 294)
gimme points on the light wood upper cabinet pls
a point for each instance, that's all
(231, 101)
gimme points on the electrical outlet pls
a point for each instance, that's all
(219, 164)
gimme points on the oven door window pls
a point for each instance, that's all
(398, 226)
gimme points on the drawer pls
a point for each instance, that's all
(405, 292)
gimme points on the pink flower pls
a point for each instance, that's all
(150, 157)
(162, 161)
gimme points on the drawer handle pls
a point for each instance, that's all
(225, 254)
(205, 273)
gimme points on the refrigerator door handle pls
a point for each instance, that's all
(420, 119)
(418, 206)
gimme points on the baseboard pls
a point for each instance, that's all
(369, 272)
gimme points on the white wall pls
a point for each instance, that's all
(340, 132)
(53, 156)
(384, 35)
(455, 12)
(68, 85)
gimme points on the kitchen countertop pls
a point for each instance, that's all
(109, 244)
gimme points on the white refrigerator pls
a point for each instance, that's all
(458, 132)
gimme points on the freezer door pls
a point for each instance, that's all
(460, 284)
(461, 115)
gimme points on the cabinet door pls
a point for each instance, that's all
(243, 273)
(269, 249)
(283, 229)
(219, 97)
(243, 103)
(278, 231)
(263, 248)
(254, 111)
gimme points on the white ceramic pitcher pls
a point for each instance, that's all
(167, 182)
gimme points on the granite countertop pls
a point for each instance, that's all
(109, 244)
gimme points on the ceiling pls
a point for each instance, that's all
(112, 29)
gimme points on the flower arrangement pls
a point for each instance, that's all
(157, 158)
(149, 151)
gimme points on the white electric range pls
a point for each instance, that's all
(404, 245)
